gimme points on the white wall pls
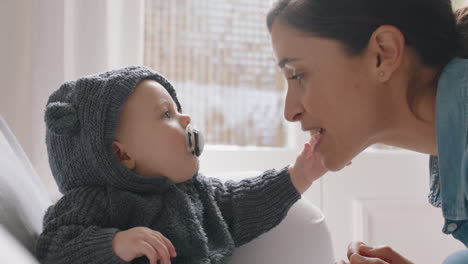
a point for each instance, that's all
(44, 43)
(47, 73)
(102, 35)
(32, 65)
(15, 69)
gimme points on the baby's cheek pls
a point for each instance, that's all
(175, 144)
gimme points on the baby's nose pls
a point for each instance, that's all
(185, 120)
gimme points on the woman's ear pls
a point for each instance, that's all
(119, 150)
(388, 43)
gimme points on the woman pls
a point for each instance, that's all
(363, 72)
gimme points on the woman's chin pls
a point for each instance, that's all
(334, 164)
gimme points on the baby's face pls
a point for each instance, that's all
(152, 134)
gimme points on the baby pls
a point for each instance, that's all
(125, 158)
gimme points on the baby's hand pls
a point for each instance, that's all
(308, 167)
(141, 241)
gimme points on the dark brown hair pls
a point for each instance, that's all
(461, 16)
(430, 27)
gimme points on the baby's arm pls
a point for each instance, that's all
(76, 244)
(253, 206)
(75, 230)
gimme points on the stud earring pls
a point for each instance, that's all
(381, 74)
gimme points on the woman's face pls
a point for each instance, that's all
(328, 89)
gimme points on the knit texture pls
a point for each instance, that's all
(204, 218)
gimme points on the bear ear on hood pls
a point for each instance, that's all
(61, 118)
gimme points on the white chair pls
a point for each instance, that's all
(13, 252)
(301, 238)
(23, 201)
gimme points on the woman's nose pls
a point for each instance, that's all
(292, 109)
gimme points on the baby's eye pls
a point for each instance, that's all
(167, 114)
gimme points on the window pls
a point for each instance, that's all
(217, 54)
(457, 3)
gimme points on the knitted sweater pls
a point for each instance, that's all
(203, 218)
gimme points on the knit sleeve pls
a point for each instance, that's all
(253, 206)
(76, 230)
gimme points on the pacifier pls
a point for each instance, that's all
(194, 140)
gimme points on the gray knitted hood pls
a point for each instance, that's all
(81, 118)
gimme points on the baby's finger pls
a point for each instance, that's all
(304, 150)
(148, 251)
(313, 138)
(160, 247)
(169, 245)
(307, 149)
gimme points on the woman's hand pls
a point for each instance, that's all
(360, 253)
(308, 166)
(141, 241)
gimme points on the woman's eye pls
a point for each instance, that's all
(298, 77)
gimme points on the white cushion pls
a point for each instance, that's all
(23, 198)
(301, 238)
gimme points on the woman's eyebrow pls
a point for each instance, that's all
(286, 60)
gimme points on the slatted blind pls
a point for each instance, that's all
(217, 54)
